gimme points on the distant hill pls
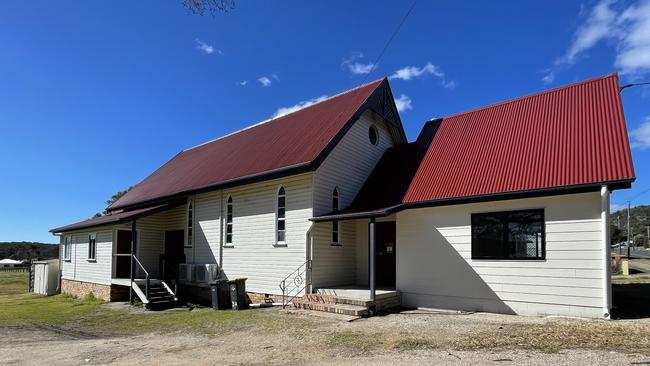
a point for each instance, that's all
(27, 250)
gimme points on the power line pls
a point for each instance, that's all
(620, 89)
(381, 54)
(640, 194)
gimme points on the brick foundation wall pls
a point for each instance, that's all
(258, 298)
(81, 289)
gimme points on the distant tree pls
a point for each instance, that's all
(617, 235)
(200, 7)
(112, 200)
(117, 196)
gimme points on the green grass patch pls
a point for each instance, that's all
(357, 341)
(87, 314)
(411, 344)
(14, 283)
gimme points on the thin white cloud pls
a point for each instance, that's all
(265, 81)
(633, 56)
(548, 78)
(300, 105)
(599, 25)
(403, 103)
(355, 67)
(449, 84)
(243, 82)
(206, 48)
(410, 72)
(640, 137)
(628, 30)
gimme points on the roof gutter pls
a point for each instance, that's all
(63, 229)
(553, 191)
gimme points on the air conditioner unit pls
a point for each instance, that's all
(206, 272)
(186, 272)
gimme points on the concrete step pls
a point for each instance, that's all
(333, 299)
(345, 309)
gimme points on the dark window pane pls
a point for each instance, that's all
(229, 238)
(508, 235)
(229, 229)
(229, 210)
(280, 224)
(281, 236)
(281, 191)
(281, 201)
(281, 212)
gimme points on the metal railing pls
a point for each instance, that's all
(137, 262)
(163, 267)
(146, 275)
(295, 283)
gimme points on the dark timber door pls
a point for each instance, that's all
(123, 264)
(385, 246)
(174, 252)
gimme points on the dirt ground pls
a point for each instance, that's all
(408, 337)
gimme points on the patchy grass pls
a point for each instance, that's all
(355, 341)
(412, 344)
(555, 336)
(13, 283)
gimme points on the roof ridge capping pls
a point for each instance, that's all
(287, 114)
(536, 94)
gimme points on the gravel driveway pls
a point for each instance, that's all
(414, 338)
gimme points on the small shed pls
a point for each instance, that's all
(45, 276)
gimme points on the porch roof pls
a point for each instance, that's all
(113, 218)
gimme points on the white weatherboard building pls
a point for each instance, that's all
(500, 209)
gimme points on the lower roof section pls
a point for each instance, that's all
(502, 196)
(114, 218)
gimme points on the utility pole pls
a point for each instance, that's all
(628, 230)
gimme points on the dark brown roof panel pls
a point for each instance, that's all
(290, 141)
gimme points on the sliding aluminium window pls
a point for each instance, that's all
(517, 235)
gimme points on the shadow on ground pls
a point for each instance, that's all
(631, 301)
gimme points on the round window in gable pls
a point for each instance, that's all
(372, 135)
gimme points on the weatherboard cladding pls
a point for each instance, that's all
(570, 136)
(291, 141)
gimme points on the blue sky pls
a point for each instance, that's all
(96, 95)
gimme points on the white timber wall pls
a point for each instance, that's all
(254, 253)
(435, 269)
(79, 267)
(207, 228)
(346, 168)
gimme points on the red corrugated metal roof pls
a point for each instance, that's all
(570, 136)
(290, 141)
(112, 218)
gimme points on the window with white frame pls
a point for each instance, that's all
(280, 225)
(229, 221)
(67, 248)
(92, 246)
(335, 224)
(190, 225)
